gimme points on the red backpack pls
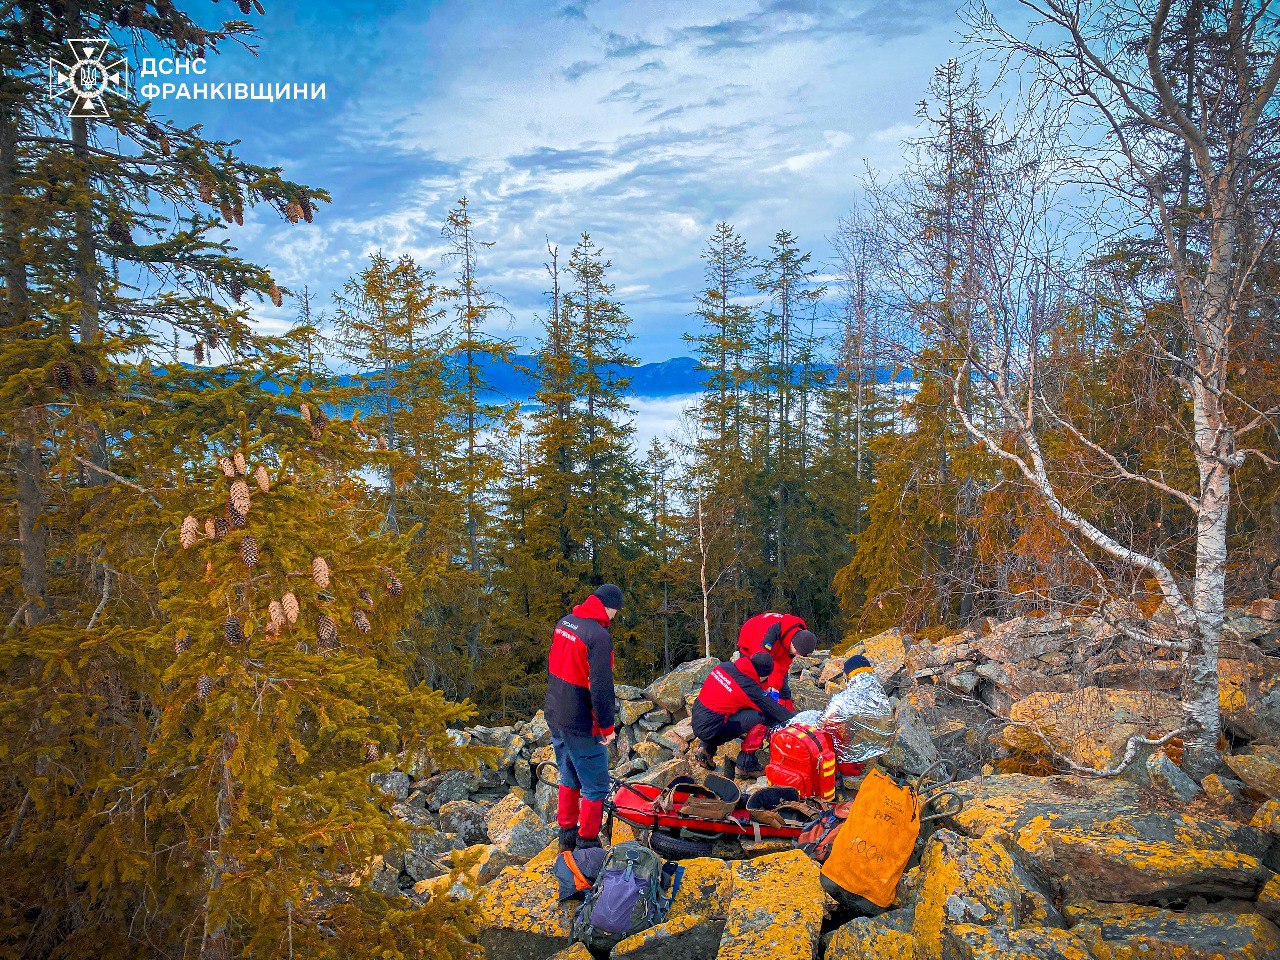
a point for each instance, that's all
(803, 757)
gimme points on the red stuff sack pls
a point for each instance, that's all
(803, 757)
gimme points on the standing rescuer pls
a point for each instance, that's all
(732, 704)
(784, 637)
(579, 711)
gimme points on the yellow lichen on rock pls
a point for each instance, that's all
(689, 936)
(966, 941)
(964, 881)
(1259, 771)
(705, 890)
(1126, 931)
(520, 910)
(1267, 818)
(577, 951)
(775, 912)
(1269, 900)
(870, 939)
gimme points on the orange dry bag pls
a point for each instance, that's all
(873, 846)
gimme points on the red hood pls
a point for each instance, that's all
(592, 609)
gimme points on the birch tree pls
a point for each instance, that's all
(1146, 82)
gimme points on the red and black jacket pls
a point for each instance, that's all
(771, 633)
(580, 673)
(731, 687)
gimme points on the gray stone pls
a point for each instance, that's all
(1166, 777)
(963, 682)
(913, 750)
(539, 734)
(671, 691)
(545, 797)
(393, 784)
(450, 786)
(428, 854)
(466, 819)
(624, 692)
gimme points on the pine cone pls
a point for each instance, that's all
(118, 232)
(226, 466)
(316, 433)
(371, 752)
(204, 686)
(240, 497)
(190, 531)
(224, 208)
(320, 572)
(221, 526)
(382, 443)
(205, 190)
(88, 375)
(293, 211)
(366, 596)
(289, 604)
(238, 520)
(232, 632)
(153, 131)
(361, 621)
(275, 616)
(241, 467)
(236, 289)
(198, 351)
(249, 550)
(245, 7)
(305, 410)
(327, 632)
(239, 214)
(276, 295)
(181, 642)
(262, 479)
(394, 586)
(63, 376)
(210, 529)
(305, 202)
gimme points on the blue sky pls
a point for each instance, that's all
(643, 123)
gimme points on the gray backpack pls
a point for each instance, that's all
(633, 891)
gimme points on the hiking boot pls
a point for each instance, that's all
(747, 766)
(586, 843)
(705, 757)
(568, 838)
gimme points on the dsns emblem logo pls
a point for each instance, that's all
(93, 73)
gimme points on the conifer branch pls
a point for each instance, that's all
(85, 462)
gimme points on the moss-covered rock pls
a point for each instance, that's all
(775, 912)
(1124, 931)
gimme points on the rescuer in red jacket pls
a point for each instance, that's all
(579, 710)
(784, 637)
(731, 704)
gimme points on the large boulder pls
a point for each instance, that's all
(1092, 726)
(520, 914)
(1259, 769)
(965, 941)
(1124, 931)
(1249, 694)
(776, 909)
(886, 937)
(630, 711)
(1099, 842)
(671, 692)
(965, 880)
(393, 784)
(517, 829)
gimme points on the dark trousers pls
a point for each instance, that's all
(716, 730)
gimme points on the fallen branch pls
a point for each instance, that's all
(115, 476)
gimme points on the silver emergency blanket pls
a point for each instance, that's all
(860, 719)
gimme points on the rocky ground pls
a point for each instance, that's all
(1046, 860)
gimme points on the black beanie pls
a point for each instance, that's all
(763, 664)
(855, 663)
(610, 595)
(804, 642)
